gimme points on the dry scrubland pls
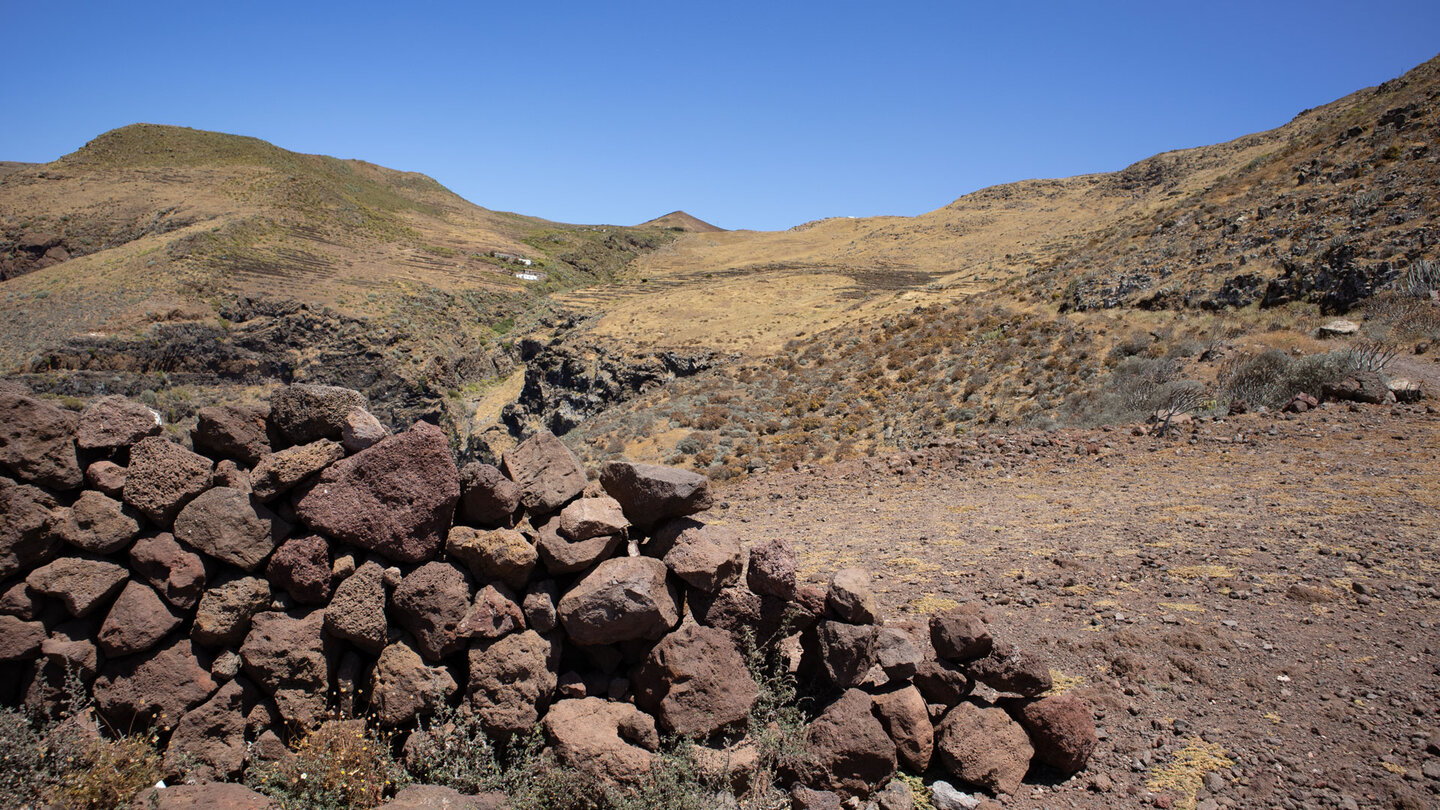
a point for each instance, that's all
(1242, 589)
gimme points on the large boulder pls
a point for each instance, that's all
(37, 442)
(106, 476)
(850, 598)
(695, 682)
(502, 554)
(906, 719)
(1062, 729)
(305, 413)
(941, 683)
(592, 517)
(163, 477)
(163, 685)
(20, 640)
(403, 687)
(1009, 669)
(960, 636)
(487, 497)
(277, 473)
(209, 741)
(177, 573)
(847, 651)
(850, 751)
(548, 474)
(111, 423)
(231, 431)
(613, 743)
(623, 599)
(137, 621)
(705, 556)
(290, 657)
(1357, 386)
(651, 494)
(772, 570)
(897, 653)
(223, 618)
(396, 498)
(740, 611)
(495, 613)
(357, 611)
(301, 568)
(81, 583)
(27, 518)
(512, 681)
(226, 524)
(97, 524)
(431, 603)
(564, 556)
(983, 746)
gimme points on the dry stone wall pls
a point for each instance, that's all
(299, 563)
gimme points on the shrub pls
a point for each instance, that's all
(1273, 377)
(342, 764)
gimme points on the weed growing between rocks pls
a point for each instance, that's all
(342, 764)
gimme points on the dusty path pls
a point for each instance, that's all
(1264, 588)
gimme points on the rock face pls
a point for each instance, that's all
(306, 413)
(651, 494)
(211, 736)
(290, 658)
(487, 497)
(614, 742)
(695, 682)
(134, 691)
(163, 477)
(396, 498)
(852, 753)
(984, 747)
(548, 474)
(98, 524)
(431, 603)
(403, 687)
(1062, 729)
(227, 525)
(623, 599)
(114, 422)
(37, 442)
(511, 682)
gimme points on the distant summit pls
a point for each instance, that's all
(681, 221)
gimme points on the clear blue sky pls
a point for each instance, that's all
(749, 115)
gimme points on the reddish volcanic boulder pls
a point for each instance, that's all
(304, 413)
(227, 525)
(623, 599)
(548, 474)
(984, 747)
(502, 554)
(651, 494)
(234, 432)
(592, 517)
(177, 573)
(137, 621)
(161, 684)
(431, 603)
(614, 743)
(1009, 669)
(97, 524)
(209, 741)
(37, 442)
(772, 570)
(357, 611)
(906, 719)
(27, 517)
(223, 618)
(82, 584)
(851, 753)
(1062, 729)
(695, 682)
(163, 477)
(705, 556)
(114, 422)
(487, 497)
(206, 796)
(396, 498)
(403, 687)
(278, 472)
(290, 657)
(20, 640)
(847, 651)
(107, 477)
(496, 613)
(563, 556)
(301, 567)
(960, 636)
(850, 599)
(511, 681)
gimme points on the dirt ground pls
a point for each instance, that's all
(1251, 606)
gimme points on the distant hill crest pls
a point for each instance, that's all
(682, 221)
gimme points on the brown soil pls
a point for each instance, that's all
(1263, 588)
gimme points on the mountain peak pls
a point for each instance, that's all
(681, 221)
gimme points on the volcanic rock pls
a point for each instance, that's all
(960, 636)
(301, 567)
(431, 603)
(137, 621)
(847, 651)
(850, 598)
(37, 442)
(81, 583)
(357, 611)
(290, 657)
(396, 498)
(1062, 729)
(205, 796)
(772, 569)
(612, 742)
(178, 574)
(1009, 669)
(27, 516)
(562, 556)
(548, 474)
(651, 494)
(592, 517)
(209, 741)
(906, 719)
(851, 753)
(623, 599)
(502, 554)
(984, 747)
(223, 618)
(361, 430)
(487, 497)
(278, 472)
(695, 682)
(97, 524)
(403, 687)
(107, 477)
(230, 431)
(114, 422)
(306, 413)
(511, 681)
(227, 525)
(705, 556)
(20, 640)
(163, 477)
(160, 684)
(495, 613)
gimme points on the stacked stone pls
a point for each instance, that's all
(299, 561)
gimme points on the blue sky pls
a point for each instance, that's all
(749, 115)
